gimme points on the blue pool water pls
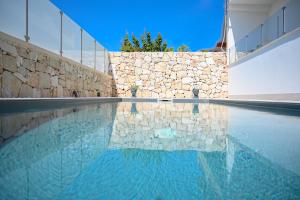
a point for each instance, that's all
(150, 151)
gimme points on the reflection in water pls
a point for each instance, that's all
(170, 127)
(133, 109)
(40, 163)
(196, 108)
(163, 151)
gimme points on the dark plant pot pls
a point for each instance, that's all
(75, 93)
(196, 92)
(133, 92)
(98, 94)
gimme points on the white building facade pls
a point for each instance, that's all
(263, 40)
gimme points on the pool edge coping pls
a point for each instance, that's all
(239, 102)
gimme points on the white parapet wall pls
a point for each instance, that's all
(270, 73)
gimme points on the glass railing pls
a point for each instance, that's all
(278, 24)
(41, 23)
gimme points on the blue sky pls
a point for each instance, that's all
(196, 23)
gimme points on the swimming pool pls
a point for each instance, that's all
(143, 150)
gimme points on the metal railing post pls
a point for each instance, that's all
(81, 45)
(261, 34)
(246, 45)
(283, 20)
(26, 36)
(61, 35)
(277, 26)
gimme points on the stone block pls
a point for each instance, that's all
(44, 81)
(60, 92)
(20, 77)
(202, 64)
(45, 93)
(62, 82)
(146, 71)
(10, 63)
(26, 91)
(33, 56)
(22, 70)
(67, 93)
(55, 63)
(23, 51)
(186, 87)
(10, 85)
(0, 85)
(1, 63)
(204, 87)
(224, 77)
(29, 64)
(225, 88)
(160, 67)
(37, 93)
(210, 61)
(53, 92)
(147, 59)
(144, 77)
(181, 74)
(173, 75)
(33, 79)
(8, 48)
(138, 71)
(19, 61)
(41, 67)
(54, 81)
(138, 63)
(187, 80)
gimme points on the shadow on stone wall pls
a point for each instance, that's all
(112, 74)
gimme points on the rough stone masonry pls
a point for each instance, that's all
(170, 75)
(29, 71)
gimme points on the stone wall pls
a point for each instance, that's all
(170, 75)
(29, 71)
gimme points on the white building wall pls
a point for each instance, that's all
(276, 71)
(271, 71)
(240, 24)
(245, 16)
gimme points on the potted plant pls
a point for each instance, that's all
(196, 92)
(98, 93)
(133, 90)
